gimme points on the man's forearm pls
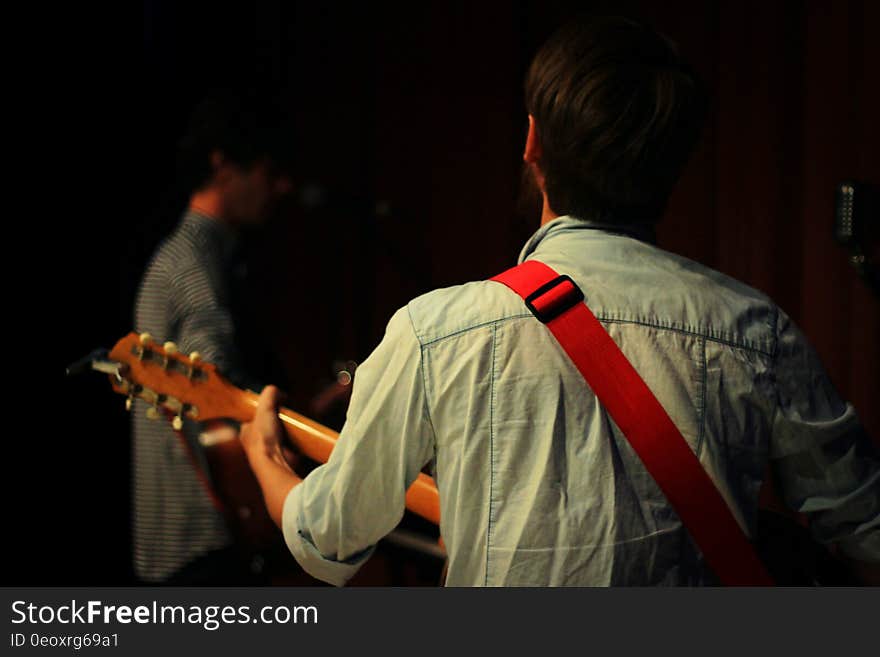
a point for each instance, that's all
(276, 480)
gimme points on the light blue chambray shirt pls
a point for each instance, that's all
(537, 484)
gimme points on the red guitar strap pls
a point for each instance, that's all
(555, 300)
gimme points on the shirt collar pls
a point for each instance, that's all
(568, 223)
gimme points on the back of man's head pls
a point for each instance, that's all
(618, 114)
(246, 125)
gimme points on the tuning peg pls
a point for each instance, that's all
(194, 358)
(153, 413)
(145, 339)
(177, 423)
(149, 396)
(170, 348)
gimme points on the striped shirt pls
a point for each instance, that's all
(184, 297)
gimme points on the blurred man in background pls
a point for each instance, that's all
(234, 161)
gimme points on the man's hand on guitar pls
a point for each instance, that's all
(261, 440)
(264, 432)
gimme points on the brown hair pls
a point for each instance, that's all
(618, 114)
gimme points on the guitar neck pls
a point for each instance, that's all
(161, 375)
(316, 442)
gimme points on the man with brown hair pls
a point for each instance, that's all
(233, 162)
(538, 486)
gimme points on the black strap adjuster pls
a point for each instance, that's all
(552, 299)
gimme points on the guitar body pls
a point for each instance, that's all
(237, 489)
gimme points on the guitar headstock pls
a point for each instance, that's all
(182, 384)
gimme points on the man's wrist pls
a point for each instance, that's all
(262, 454)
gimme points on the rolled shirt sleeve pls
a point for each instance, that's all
(334, 518)
(824, 461)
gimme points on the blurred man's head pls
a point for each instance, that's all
(238, 152)
(614, 116)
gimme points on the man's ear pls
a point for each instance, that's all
(533, 151)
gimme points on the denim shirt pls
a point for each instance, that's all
(537, 484)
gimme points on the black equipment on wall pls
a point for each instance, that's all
(857, 227)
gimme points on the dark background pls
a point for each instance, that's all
(412, 123)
